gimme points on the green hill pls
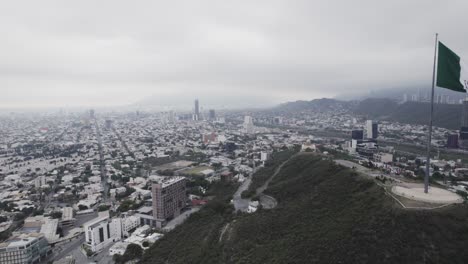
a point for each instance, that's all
(325, 214)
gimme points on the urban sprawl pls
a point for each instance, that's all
(83, 186)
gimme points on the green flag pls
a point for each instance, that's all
(451, 71)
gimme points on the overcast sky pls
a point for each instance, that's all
(70, 53)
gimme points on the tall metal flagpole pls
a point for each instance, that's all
(428, 161)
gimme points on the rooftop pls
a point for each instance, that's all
(169, 181)
(20, 240)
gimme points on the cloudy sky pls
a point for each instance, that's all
(88, 52)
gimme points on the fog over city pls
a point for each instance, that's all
(90, 53)
(252, 132)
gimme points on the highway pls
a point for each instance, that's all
(104, 182)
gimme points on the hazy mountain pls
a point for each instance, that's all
(445, 115)
(317, 105)
(398, 94)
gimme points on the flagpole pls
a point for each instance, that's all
(428, 161)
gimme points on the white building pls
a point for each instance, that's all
(118, 248)
(308, 147)
(253, 207)
(383, 157)
(371, 129)
(40, 181)
(49, 229)
(67, 216)
(23, 248)
(102, 231)
(248, 125)
(129, 223)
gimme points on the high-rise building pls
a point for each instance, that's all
(463, 139)
(102, 231)
(464, 114)
(371, 129)
(212, 114)
(248, 125)
(91, 113)
(196, 113)
(357, 134)
(169, 198)
(452, 141)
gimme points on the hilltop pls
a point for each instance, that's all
(325, 214)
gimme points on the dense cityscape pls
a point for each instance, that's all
(91, 186)
(233, 132)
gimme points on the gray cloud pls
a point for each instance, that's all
(63, 53)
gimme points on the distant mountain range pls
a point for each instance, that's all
(398, 94)
(445, 115)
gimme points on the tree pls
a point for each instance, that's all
(132, 252)
(82, 207)
(103, 207)
(117, 258)
(56, 215)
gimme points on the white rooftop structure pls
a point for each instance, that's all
(49, 229)
(118, 248)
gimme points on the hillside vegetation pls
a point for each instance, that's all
(445, 115)
(325, 214)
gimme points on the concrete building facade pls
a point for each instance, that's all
(24, 249)
(102, 231)
(169, 198)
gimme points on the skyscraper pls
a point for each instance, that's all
(371, 129)
(196, 114)
(248, 125)
(357, 134)
(464, 114)
(452, 141)
(212, 115)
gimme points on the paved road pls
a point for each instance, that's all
(267, 201)
(104, 182)
(357, 167)
(262, 188)
(180, 219)
(239, 203)
(65, 249)
(366, 171)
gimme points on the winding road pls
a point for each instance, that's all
(267, 201)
